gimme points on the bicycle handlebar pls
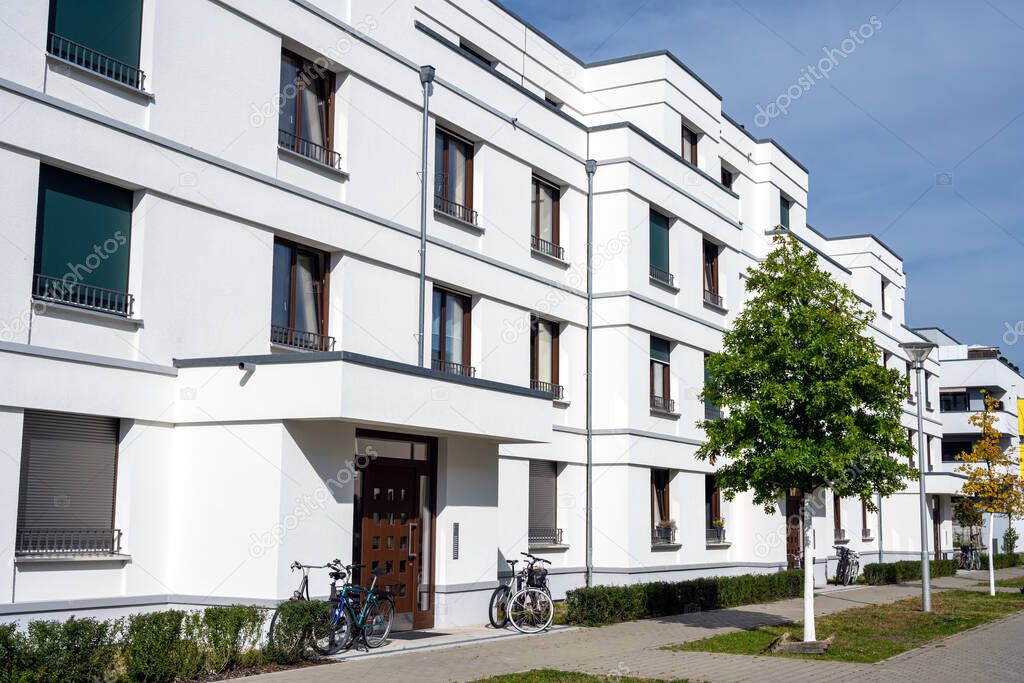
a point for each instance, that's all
(535, 558)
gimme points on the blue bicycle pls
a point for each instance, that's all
(365, 613)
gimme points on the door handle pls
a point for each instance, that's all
(413, 526)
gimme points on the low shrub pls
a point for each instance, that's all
(225, 637)
(597, 605)
(1001, 560)
(152, 647)
(71, 650)
(295, 622)
(879, 573)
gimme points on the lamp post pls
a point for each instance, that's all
(918, 352)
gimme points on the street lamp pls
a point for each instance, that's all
(918, 352)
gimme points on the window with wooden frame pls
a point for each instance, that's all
(299, 298)
(928, 443)
(865, 531)
(690, 144)
(712, 295)
(453, 176)
(306, 119)
(544, 356)
(661, 399)
(662, 527)
(712, 504)
(544, 219)
(450, 330)
(837, 511)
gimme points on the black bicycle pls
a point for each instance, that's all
(530, 576)
(334, 636)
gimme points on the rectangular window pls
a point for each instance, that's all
(711, 411)
(660, 385)
(450, 333)
(544, 219)
(662, 529)
(928, 443)
(306, 119)
(453, 176)
(543, 492)
(885, 298)
(68, 483)
(83, 236)
(544, 356)
(911, 437)
(689, 144)
(299, 298)
(784, 206)
(952, 448)
(728, 177)
(100, 35)
(712, 295)
(659, 226)
(713, 521)
(925, 381)
(837, 511)
(910, 385)
(954, 401)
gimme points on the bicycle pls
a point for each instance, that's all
(325, 641)
(968, 558)
(376, 610)
(529, 577)
(848, 567)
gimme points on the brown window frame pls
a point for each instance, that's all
(305, 67)
(555, 209)
(324, 283)
(665, 375)
(534, 348)
(467, 319)
(661, 480)
(448, 138)
(711, 252)
(837, 510)
(691, 136)
(728, 178)
(713, 499)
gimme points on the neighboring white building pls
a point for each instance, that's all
(969, 371)
(210, 317)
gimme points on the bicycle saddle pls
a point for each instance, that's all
(379, 571)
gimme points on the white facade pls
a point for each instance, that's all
(226, 475)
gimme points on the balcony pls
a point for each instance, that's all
(299, 339)
(545, 248)
(715, 536)
(662, 276)
(712, 412)
(453, 368)
(97, 62)
(713, 299)
(308, 149)
(841, 536)
(542, 536)
(80, 295)
(661, 404)
(456, 211)
(663, 535)
(557, 389)
(67, 541)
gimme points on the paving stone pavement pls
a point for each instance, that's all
(989, 653)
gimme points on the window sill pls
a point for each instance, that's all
(715, 307)
(562, 403)
(50, 308)
(313, 164)
(867, 539)
(665, 547)
(56, 558)
(458, 222)
(841, 541)
(79, 69)
(666, 414)
(554, 260)
(548, 547)
(719, 546)
(664, 285)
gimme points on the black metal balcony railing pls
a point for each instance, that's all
(841, 536)
(94, 61)
(544, 536)
(300, 339)
(663, 535)
(715, 535)
(62, 541)
(557, 389)
(455, 210)
(662, 404)
(712, 412)
(542, 246)
(80, 295)
(453, 368)
(663, 276)
(713, 298)
(308, 149)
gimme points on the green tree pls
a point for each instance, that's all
(993, 482)
(808, 405)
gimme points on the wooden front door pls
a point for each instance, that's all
(794, 555)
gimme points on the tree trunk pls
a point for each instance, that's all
(809, 630)
(991, 554)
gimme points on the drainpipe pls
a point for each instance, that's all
(881, 536)
(591, 167)
(427, 81)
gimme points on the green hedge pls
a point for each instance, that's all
(609, 604)
(879, 573)
(1001, 560)
(297, 621)
(151, 647)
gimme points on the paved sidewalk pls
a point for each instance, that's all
(989, 653)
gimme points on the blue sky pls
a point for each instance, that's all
(916, 136)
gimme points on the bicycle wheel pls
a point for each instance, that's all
(283, 640)
(378, 621)
(336, 637)
(531, 610)
(497, 612)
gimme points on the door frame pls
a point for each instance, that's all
(420, 619)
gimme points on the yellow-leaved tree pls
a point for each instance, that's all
(993, 482)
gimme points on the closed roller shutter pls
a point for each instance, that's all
(543, 494)
(68, 469)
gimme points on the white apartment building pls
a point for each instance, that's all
(969, 371)
(212, 300)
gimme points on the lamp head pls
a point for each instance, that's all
(918, 351)
(427, 74)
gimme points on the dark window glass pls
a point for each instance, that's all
(453, 178)
(544, 351)
(784, 207)
(951, 449)
(660, 355)
(450, 328)
(954, 402)
(544, 214)
(305, 118)
(110, 27)
(299, 284)
(710, 267)
(660, 496)
(690, 145)
(728, 178)
(659, 241)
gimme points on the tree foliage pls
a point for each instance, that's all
(808, 403)
(993, 484)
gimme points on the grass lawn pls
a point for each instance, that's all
(871, 634)
(1016, 582)
(553, 676)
